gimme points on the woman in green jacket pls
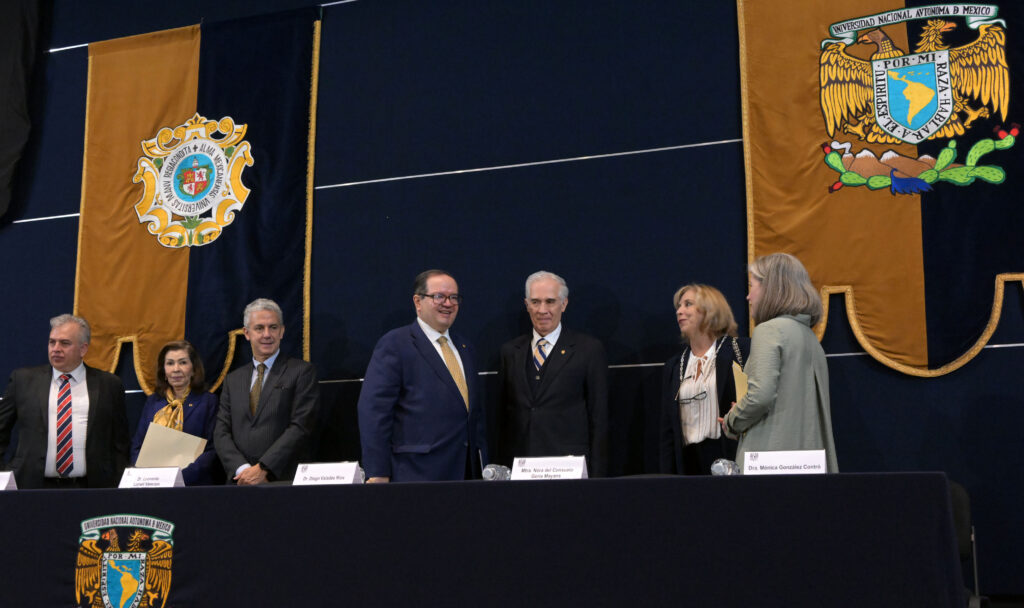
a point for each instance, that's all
(787, 405)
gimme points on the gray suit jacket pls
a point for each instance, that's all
(787, 403)
(106, 444)
(280, 433)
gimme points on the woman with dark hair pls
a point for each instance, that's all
(698, 385)
(787, 404)
(181, 402)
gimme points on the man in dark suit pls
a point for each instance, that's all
(73, 426)
(420, 417)
(268, 408)
(554, 384)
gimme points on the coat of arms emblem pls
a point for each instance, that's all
(895, 97)
(124, 561)
(192, 175)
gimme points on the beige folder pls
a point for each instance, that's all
(165, 447)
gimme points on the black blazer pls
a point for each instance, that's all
(568, 411)
(670, 428)
(106, 444)
(280, 434)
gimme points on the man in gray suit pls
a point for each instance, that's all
(73, 425)
(267, 408)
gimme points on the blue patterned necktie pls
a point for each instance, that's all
(539, 354)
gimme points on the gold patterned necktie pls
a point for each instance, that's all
(454, 369)
(540, 354)
(257, 388)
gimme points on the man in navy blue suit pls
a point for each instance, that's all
(420, 416)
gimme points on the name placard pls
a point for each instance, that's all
(328, 473)
(554, 467)
(7, 481)
(785, 462)
(155, 477)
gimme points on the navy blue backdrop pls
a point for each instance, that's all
(600, 140)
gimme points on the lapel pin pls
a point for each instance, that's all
(563, 351)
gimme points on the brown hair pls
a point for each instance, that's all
(718, 320)
(786, 288)
(198, 383)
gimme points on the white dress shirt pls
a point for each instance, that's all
(256, 372)
(699, 417)
(552, 338)
(79, 421)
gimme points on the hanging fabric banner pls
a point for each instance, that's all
(879, 144)
(197, 187)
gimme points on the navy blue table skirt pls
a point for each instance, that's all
(842, 540)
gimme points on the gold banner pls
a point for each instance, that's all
(862, 243)
(129, 287)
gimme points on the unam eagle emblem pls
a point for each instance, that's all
(138, 576)
(978, 74)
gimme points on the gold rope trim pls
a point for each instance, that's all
(232, 338)
(134, 341)
(745, 119)
(921, 372)
(311, 154)
(81, 205)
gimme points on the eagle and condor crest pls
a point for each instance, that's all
(124, 561)
(876, 95)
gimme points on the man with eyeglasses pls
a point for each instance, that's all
(553, 384)
(420, 416)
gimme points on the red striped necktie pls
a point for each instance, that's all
(65, 453)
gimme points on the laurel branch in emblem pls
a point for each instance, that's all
(192, 179)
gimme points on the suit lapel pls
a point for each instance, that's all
(92, 385)
(41, 389)
(724, 373)
(270, 382)
(186, 408)
(558, 358)
(465, 353)
(433, 359)
(244, 385)
(676, 374)
(522, 351)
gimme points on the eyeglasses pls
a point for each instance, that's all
(439, 298)
(699, 396)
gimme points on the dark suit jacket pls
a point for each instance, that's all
(199, 417)
(106, 443)
(671, 428)
(280, 433)
(413, 423)
(568, 411)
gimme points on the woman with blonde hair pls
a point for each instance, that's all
(787, 403)
(698, 385)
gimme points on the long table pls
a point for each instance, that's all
(838, 540)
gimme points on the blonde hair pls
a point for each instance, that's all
(786, 288)
(718, 320)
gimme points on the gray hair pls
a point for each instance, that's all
(786, 288)
(563, 289)
(262, 304)
(82, 323)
